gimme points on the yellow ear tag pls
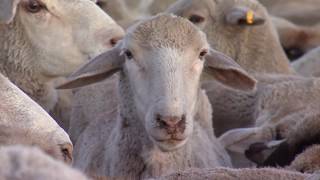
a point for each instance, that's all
(250, 17)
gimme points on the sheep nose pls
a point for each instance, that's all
(66, 150)
(172, 124)
(113, 41)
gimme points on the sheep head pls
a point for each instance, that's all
(63, 34)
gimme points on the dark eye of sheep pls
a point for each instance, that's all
(128, 54)
(294, 53)
(34, 6)
(203, 54)
(196, 19)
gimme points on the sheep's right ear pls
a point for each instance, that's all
(8, 10)
(98, 69)
(225, 70)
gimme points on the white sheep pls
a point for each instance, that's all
(232, 174)
(30, 163)
(163, 123)
(41, 41)
(22, 121)
(242, 30)
(308, 65)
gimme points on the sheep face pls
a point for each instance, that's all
(63, 34)
(164, 68)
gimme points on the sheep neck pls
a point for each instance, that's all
(135, 155)
(16, 62)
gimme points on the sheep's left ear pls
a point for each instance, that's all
(243, 16)
(228, 72)
(8, 10)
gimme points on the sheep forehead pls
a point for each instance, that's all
(167, 31)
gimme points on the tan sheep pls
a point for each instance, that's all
(242, 30)
(22, 121)
(40, 42)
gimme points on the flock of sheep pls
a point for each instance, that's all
(159, 89)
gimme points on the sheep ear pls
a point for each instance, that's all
(251, 142)
(243, 16)
(98, 69)
(239, 140)
(228, 72)
(8, 10)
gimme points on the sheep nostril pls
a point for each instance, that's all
(66, 150)
(173, 123)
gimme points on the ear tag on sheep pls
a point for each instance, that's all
(250, 17)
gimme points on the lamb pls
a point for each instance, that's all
(299, 12)
(30, 163)
(297, 40)
(33, 60)
(239, 29)
(22, 121)
(308, 65)
(239, 174)
(163, 121)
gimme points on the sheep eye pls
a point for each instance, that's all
(196, 19)
(203, 54)
(34, 6)
(128, 54)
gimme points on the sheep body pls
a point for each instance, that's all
(32, 60)
(308, 64)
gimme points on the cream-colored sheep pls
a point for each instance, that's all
(41, 41)
(163, 123)
(30, 163)
(242, 30)
(308, 161)
(22, 121)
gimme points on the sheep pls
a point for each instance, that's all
(30, 163)
(22, 121)
(297, 40)
(285, 126)
(155, 91)
(308, 65)
(299, 12)
(239, 174)
(159, 6)
(33, 60)
(239, 29)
